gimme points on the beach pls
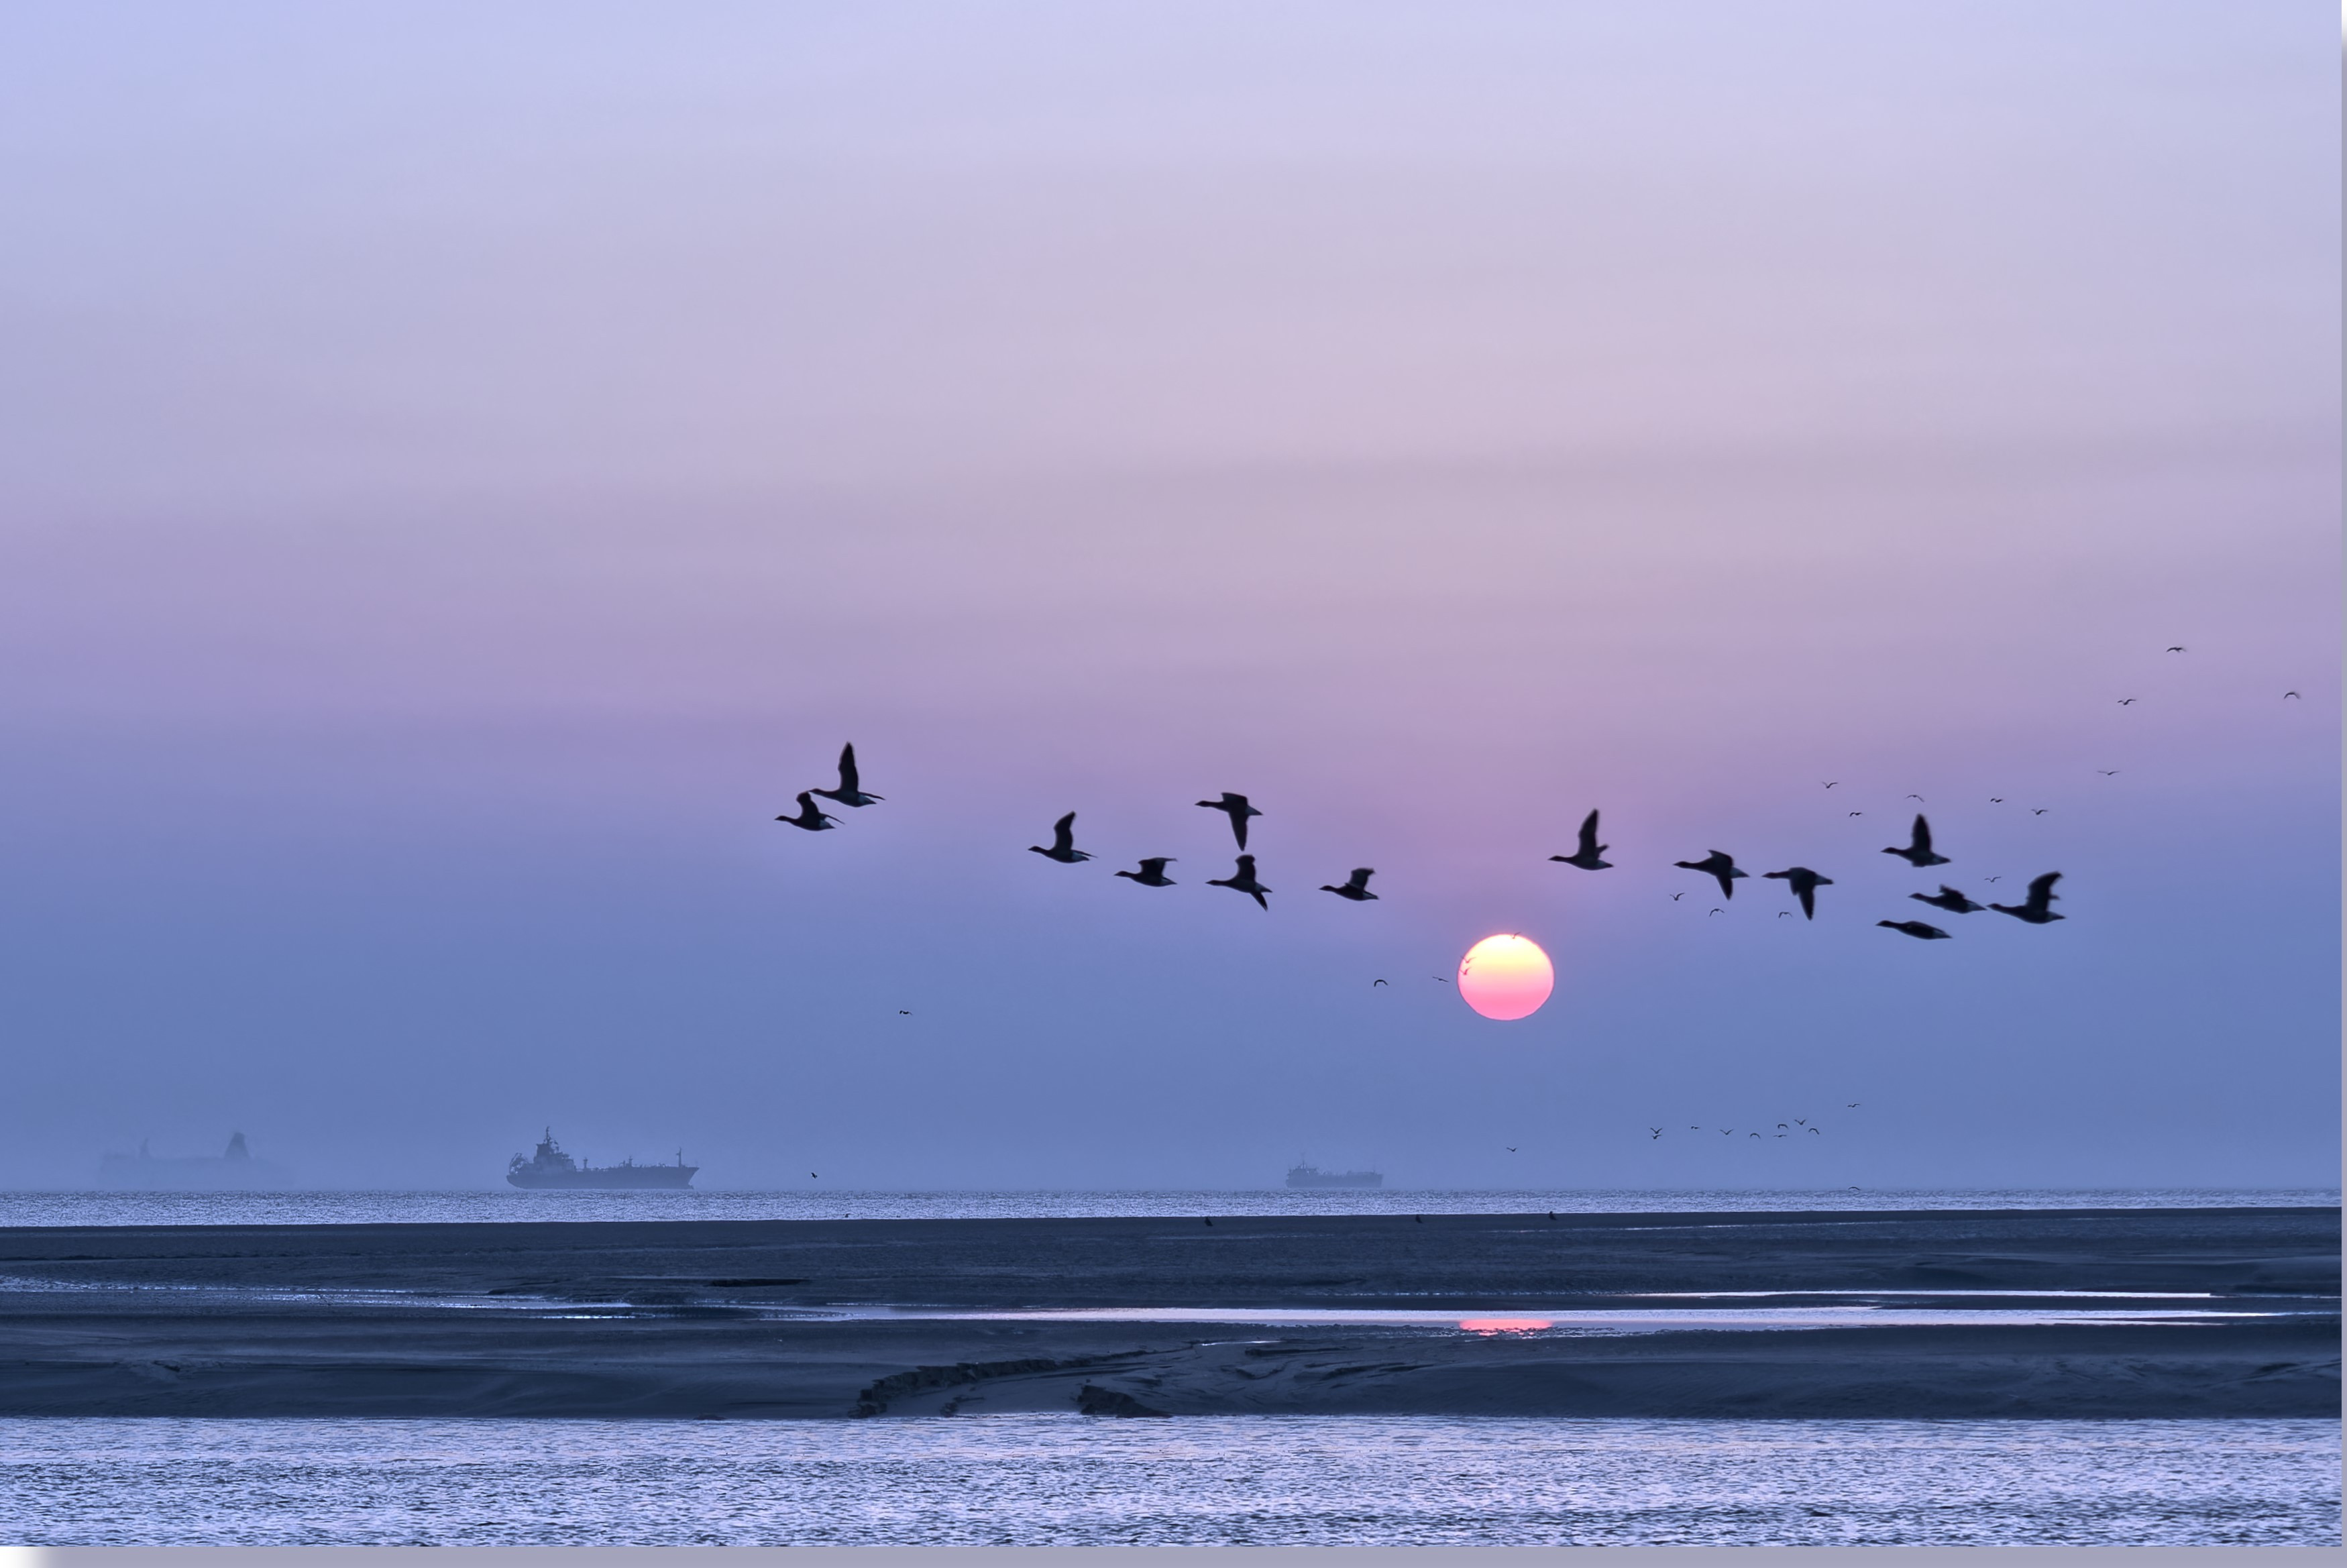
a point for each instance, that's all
(2100, 1313)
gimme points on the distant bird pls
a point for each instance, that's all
(2286, 695)
(1589, 853)
(810, 817)
(1805, 883)
(1797, 1121)
(1715, 910)
(1356, 888)
(1782, 1124)
(1996, 800)
(1375, 984)
(1813, 1130)
(1657, 1131)
(904, 1012)
(1063, 843)
(1151, 873)
(2126, 701)
(1677, 897)
(1852, 1106)
(1948, 899)
(2038, 811)
(1444, 980)
(1783, 914)
(1510, 1148)
(1830, 783)
(1916, 928)
(1243, 881)
(1917, 797)
(1996, 879)
(2176, 647)
(850, 791)
(2108, 772)
(1917, 853)
(1718, 865)
(1727, 1132)
(1236, 806)
(813, 1178)
(1858, 813)
(2036, 909)
(1752, 1134)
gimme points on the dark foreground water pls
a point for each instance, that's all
(1049, 1479)
(506, 1204)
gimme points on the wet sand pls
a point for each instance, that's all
(679, 1319)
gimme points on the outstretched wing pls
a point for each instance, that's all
(1589, 836)
(1063, 834)
(1922, 835)
(847, 780)
(1361, 879)
(2041, 890)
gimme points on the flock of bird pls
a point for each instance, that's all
(1588, 855)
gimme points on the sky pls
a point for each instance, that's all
(463, 470)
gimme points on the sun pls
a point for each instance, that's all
(1506, 977)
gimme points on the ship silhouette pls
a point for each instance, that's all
(1303, 1175)
(235, 1171)
(550, 1167)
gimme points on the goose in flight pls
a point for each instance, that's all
(1063, 843)
(2126, 701)
(2036, 907)
(1236, 806)
(1948, 899)
(2290, 694)
(1657, 1131)
(1805, 883)
(1917, 853)
(1357, 886)
(1715, 865)
(810, 817)
(1589, 854)
(1243, 881)
(851, 790)
(1917, 929)
(2176, 647)
(1151, 873)
(1375, 984)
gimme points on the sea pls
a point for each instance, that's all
(295, 1207)
(1065, 1480)
(1239, 1481)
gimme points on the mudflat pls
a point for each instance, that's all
(807, 1319)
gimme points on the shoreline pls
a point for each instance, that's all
(708, 1319)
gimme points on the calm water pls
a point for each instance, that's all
(45, 1208)
(1232, 1480)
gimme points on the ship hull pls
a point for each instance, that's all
(610, 1178)
(1335, 1179)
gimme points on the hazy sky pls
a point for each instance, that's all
(463, 469)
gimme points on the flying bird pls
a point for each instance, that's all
(1852, 1106)
(1783, 914)
(1858, 813)
(850, 791)
(1243, 881)
(1356, 888)
(1677, 897)
(1830, 783)
(1996, 800)
(1151, 873)
(1805, 883)
(2126, 701)
(2176, 647)
(1917, 929)
(1657, 1131)
(2108, 772)
(1375, 984)
(904, 1012)
(1996, 879)
(2038, 811)
(1948, 899)
(1917, 853)
(1716, 909)
(1813, 1130)
(1917, 797)
(1589, 853)
(2036, 909)
(1511, 1148)
(1063, 843)
(1799, 1122)
(2289, 694)
(1236, 806)
(1718, 865)
(810, 817)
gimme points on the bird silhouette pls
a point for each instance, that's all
(810, 817)
(1511, 1148)
(1375, 984)
(1917, 797)
(1858, 813)
(1852, 1106)
(1830, 783)
(850, 791)
(1718, 866)
(1996, 800)
(1916, 928)
(1151, 873)
(1236, 806)
(1243, 881)
(1917, 853)
(1805, 883)
(1799, 1122)
(1356, 888)
(2286, 695)
(1752, 1134)
(1589, 854)
(2126, 701)
(1063, 843)
(1677, 897)
(1657, 1131)
(1442, 979)
(2036, 909)
(1996, 879)
(1783, 914)
(1948, 899)
(1727, 1132)
(1716, 909)
(2108, 772)
(1813, 1130)
(2038, 811)
(904, 1012)
(2176, 647)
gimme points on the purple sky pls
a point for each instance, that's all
(462, 473)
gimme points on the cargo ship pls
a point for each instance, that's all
(550, 1167)
(1314, 1176)
(235, 1171)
